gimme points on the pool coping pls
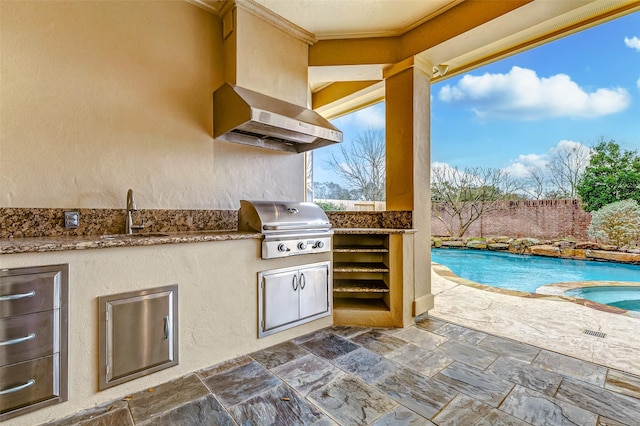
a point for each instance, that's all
(553, 291)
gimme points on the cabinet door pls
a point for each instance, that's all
(138, 335)
(314, 291)
(279, 299)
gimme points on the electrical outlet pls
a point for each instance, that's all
(71, 220)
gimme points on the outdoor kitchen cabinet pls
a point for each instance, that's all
(292, 296)
(33, 338)
(367, 279)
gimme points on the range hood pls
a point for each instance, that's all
(251, 118)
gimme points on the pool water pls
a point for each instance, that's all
(620, 297)
(527, 273)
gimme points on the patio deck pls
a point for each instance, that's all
(479, 358)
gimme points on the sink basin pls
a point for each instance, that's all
(126, 236)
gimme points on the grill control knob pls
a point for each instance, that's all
(302, 245)
(282, 248)
(318, 244)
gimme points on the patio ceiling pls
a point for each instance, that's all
(357, 40)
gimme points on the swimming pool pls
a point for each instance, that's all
(527, 273)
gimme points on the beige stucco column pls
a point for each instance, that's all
(407, 97)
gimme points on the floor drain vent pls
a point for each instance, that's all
(595, 333)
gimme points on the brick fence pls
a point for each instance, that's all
(530, 218)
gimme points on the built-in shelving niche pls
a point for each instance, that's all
(363, 280)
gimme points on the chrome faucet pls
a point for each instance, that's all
(131, 207)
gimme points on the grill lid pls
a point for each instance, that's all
(271, 217)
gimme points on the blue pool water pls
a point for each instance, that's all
(620, 297)
(527, 273)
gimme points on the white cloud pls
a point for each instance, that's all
(522, 166)
(565, 146)
(638, 83)
(521, 94)
(633, 42)
(525, 163)
(368, 118)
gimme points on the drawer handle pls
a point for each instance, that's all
(30, 336)
(31, 382)
(303, 281)
(17, 296)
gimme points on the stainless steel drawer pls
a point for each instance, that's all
(26, 293)
(25, 337)
(28, 383)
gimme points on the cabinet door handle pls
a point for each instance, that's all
(303, 281)
(295, 282)
(17, 296)
(166, 327)
(30, 336)
(31, 382)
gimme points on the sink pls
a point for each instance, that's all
(135, 236)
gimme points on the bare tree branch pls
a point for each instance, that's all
(465, 196)
(362, 165)
(566, 167)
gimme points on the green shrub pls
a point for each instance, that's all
(616, 223)
(330, 205)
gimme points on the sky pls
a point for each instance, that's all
(513, 114)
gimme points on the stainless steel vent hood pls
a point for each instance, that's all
(247, 117)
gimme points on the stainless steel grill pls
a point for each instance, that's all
(290, 228)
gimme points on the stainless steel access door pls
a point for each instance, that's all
(280, 303)
(289, 297)
(138, 334)
(314, 291)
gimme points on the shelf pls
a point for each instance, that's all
(360, 286)
(361, 249)
(360, 305)
(359, 267)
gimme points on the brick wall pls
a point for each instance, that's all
(531, 218)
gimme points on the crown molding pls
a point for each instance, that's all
(213, 6)
(276, 20)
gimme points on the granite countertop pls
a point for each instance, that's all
(373, 231)
(38, 230)
(63, 243)
(60, 243)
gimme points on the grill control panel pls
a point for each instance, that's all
(283, 247)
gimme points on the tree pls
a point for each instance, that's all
(332, 191)
(534, 185)
(617, 223)
(612, 175)
(556, 174)
(467, 195)
(362, 165)
(566, 166)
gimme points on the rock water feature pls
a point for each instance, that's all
(564, 248)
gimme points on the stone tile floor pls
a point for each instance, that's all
(434, 372)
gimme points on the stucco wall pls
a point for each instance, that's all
(99, 97)
(536, 218)
(218, 308)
